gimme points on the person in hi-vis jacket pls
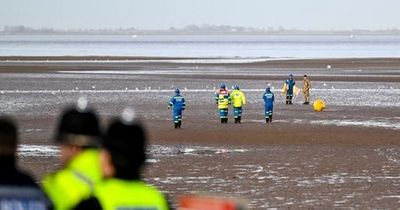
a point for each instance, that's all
(223, 100)
(268, 98)
(238, 99)
(177, 103)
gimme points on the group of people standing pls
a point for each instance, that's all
(236, 98)
(100, 169)
(289, 88)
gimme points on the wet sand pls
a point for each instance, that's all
(301, 160)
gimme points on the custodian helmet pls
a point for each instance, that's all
(78, 126)
(125, 139)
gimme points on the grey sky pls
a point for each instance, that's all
(161, 14)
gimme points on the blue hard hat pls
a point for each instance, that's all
(177, 91)
(290, 75)
(223, 86)
(268, 89)
(236, 87)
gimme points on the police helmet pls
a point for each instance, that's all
(78, 126)
(125, 139)
(177, 91)
(268, 89)
(223, 86)
(236, 87)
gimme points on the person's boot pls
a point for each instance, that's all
(226, 120)
(239, 119)
(270, 118)
(267, 120)
(176, 125)
(179, 124)
(222, 120)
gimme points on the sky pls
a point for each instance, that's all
(162, 14)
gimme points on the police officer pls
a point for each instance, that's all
(223, 100)
(238, 99)
(289, 86)
(268, 98)
(122, 157)
(78, 134)
(17, 189)
(306, 89)
(177, 102)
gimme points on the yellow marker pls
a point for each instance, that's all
(319, 105)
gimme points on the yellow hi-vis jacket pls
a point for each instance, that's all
(67, 187)
(223, 99)
(238, 98)
(114, 194)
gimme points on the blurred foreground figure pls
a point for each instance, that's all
(223, 99)
(122, 158)
(78, 135)
(18, 191)
(177, 103)
(238, 100)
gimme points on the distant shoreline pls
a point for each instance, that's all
(192, 30)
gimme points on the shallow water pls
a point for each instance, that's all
(301, 46)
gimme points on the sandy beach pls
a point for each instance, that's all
(347, 156)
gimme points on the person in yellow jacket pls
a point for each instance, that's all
(122, 157)
(223, 100)
(238, 100)
(78, 135)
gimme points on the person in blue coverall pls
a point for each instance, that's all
(269, 98)
(177, 103)
(289, 89)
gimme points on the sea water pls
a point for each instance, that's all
(204, 46)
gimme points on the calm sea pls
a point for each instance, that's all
(310, 46)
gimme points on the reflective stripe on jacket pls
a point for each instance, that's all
(67, 187)
(116, 194)
(238, 98)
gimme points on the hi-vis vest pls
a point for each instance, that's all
(23, 197)
(238, 98)
(223, 99)
(67, 187)
(117, 194)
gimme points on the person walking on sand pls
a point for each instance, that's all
(78, 134)
(177, 103)
(306, 89)
(268, 98)
(122, 157)
(17, 189)
(288, 87)
(238, 99)
(223, 100)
